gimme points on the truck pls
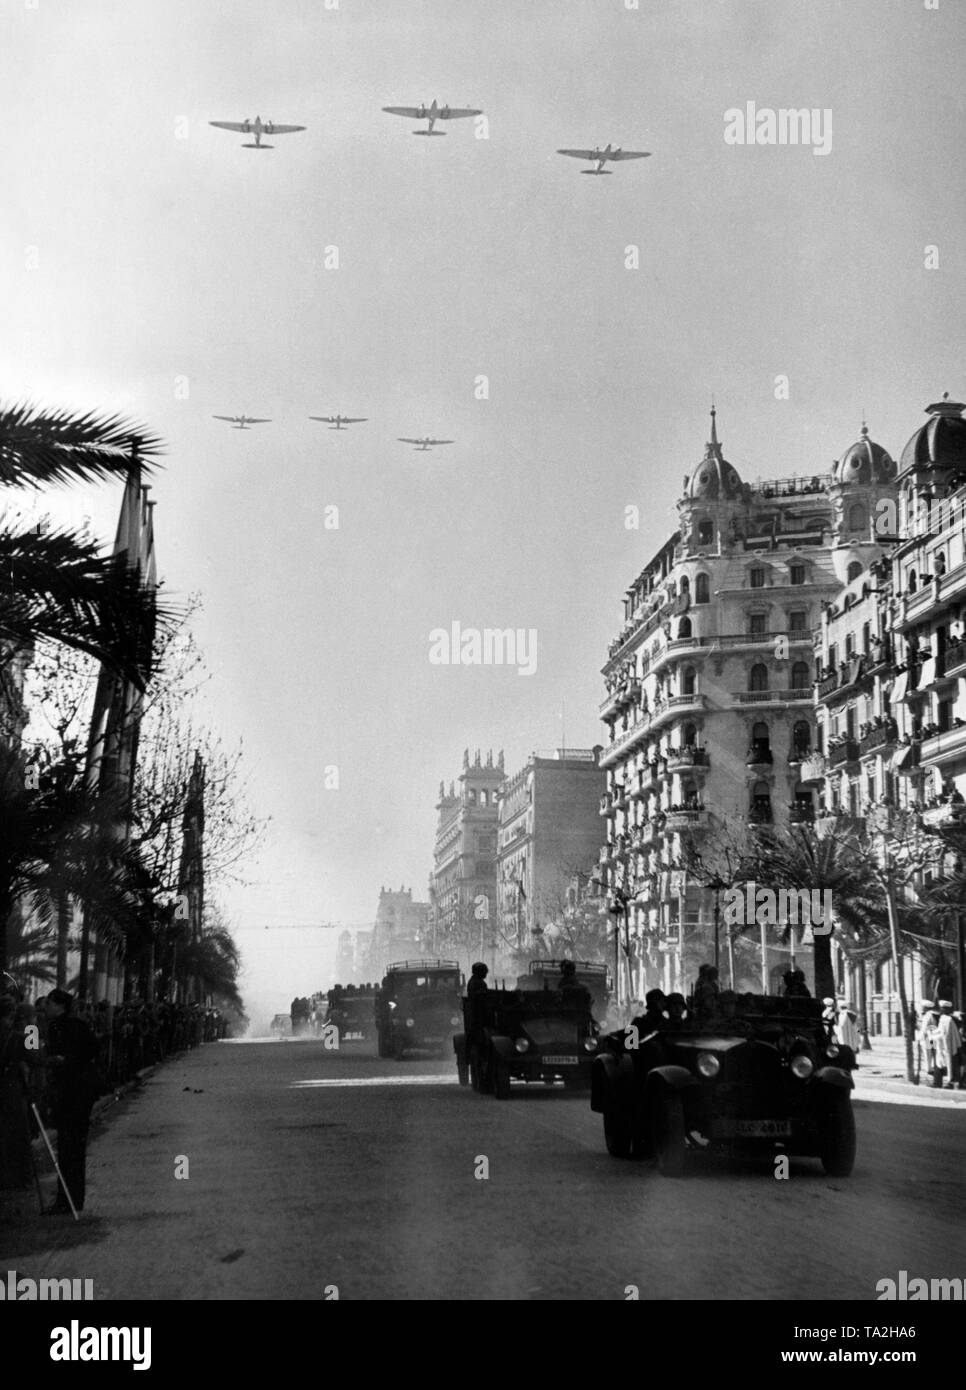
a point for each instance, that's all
(595, 978)
(531, 1035)
(352, 1010)
(754, 1074)
(417, 1007)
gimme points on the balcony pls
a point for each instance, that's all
(620, 797)
(945, 817)
(946, 751)
(607, 804)
(812, 769)
(939, 591)
(799, 753)
(801, 814)
(836, 683)
(760, 815)
(678, 821)
(606, 855)
(879, 737)
(758, 755)
(842, 753)
(628, 740)
(686, 760)
(803, 695)
(955, 664)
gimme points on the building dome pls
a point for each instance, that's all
(941, 441)
(714, 478)
(864, 462)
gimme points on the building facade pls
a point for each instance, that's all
(463, 886)
(709, 706)
(400, 930)
(549, 837)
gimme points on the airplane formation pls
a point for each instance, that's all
(431, 114)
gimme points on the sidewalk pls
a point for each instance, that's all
(882, 1076)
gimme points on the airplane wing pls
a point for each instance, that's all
(243, 126)
(354, 419)
(415, 112)
(581, 154)
(326, 419)
(630, 154)
(408, 441)
(455, 112)
(254, 420)
(442, 441)
(273, 129)
(230, 418)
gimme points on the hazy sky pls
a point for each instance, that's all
(143, 249)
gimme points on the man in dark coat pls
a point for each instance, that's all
(71, 1058)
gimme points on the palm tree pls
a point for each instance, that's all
(58, 587)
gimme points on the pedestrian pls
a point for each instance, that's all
(706, 991)
(924, 1047)
(71, 1058)
(846, 1032)
(947, 1043)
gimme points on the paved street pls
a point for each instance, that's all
(309, 1168)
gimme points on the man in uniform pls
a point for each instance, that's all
(71, 1056)
(574, 994)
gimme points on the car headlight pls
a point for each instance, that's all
(454, 1022)
(708, 1064)
(590, 1044)
(802, 1066)
(410, 1023)
(521, 1044)
(832, 1050)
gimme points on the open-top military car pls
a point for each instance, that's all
(352, 1009)
(417, 1007)
(754, 1074)
(546, 974)
(531, 1035)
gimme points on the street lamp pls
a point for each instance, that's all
(621, 907)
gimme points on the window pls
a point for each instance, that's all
(911, 582)
(756, 625)
(684, 628)
(705, 533)
(849, 645)
(801, 676)
(688, 681)
(760, 743)
(690, 735)
(801, 738)
(702, 589)
(757, 578)
(858, 517)
(866, 637)
(758, 677)
(798, 620)
(853, 571)
(939, 564)
(761, 802)
(796, 574)
(833, 654)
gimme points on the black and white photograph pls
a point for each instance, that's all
(514, 851)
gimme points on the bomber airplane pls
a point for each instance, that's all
(338, 422)
(258, 128)
(241, 422)
(432, 113)
(424, 444)
(600, 156)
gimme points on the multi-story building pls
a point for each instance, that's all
(463, 887)
(890, 698)
(400, 930)
(709, 709)
(549, 836)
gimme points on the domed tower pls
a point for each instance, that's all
(860, 480)
(934, 460)
(712, 495)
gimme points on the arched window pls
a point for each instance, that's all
(854, 570)
(705, 533)
(761, 802)
(858, 517)
(760, 751)
(684, 628)
(758, 677)
(688, 681)
(801, 677)
(801, 738)
(702, 589)
(685, 584)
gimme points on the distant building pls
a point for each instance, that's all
(549, 838)
(400, 931)
(463, 888)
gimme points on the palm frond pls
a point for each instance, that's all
(39, 447)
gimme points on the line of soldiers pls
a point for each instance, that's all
(60, 1056)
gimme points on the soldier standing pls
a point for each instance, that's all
(71, 1056)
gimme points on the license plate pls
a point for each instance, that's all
(562, 1061)
(763, 1129)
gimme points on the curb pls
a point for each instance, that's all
(106, 1101)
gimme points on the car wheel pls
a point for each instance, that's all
(462, 1067)
(479, 1079)
(501, 1080)
(617, 1133)
(669, 1135)
(836, 1135)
